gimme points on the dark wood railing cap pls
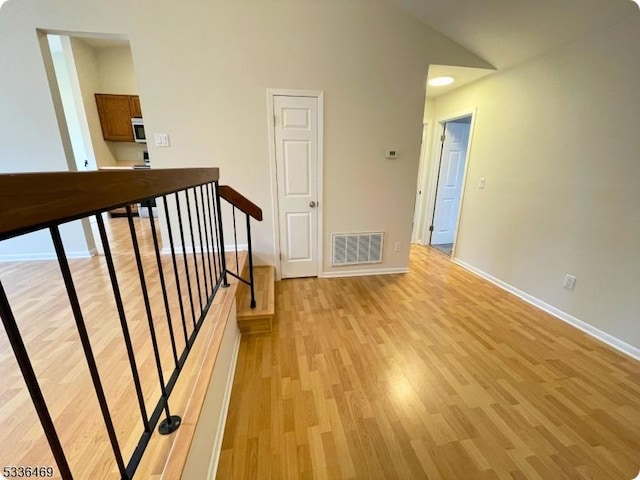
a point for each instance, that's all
(31, 201)
(240, 201)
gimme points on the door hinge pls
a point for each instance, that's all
(431, 228)
(442, 138)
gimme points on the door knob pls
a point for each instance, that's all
(312, 204)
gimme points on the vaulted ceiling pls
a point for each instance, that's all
(508, 32)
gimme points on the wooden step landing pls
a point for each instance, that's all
(259, 319)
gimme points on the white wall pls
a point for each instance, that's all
(32, 142)
(420, 217)
(90, 80)
(556, 139)
(68, 102)
(204, 453)
(203, 69)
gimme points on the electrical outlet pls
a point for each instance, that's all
(391, 154)
(569, 282)
(397, 247)
(482, 182)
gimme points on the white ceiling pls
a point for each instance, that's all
(55, 42)
(462, 76)
(105, 42)
(508, 32)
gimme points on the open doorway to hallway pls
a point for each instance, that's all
(449, 185)
(446, 142)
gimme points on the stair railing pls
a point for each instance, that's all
(250, 209)
(45, 201)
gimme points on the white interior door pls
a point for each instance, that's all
(452, 163)
(296, 142)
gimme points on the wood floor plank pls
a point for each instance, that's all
(434, 374)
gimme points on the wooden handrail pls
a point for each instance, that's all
(31, 201)
(241, 202)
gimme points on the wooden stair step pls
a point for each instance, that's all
(259, 319)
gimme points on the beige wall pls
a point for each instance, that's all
(429, 109)
(117, 74)
(86, 62)
(556, 139)
(106, 70)
(203, 70)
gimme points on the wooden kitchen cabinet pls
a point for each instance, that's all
(136, 110)
(116, 112)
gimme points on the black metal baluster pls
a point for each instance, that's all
(193, 247)
(211, 228)
(235, 238)
(30, 379)
(223, 259)
(163, 285)
(251, 284)
(184, 256)
(204, 270)
(175, 270)
(206, 239)
(123, 321)
(170, 423)
(86, 347)
(215, 223)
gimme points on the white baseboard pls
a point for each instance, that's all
(217, 445)
(227, 248)
(32, 257)
(363, 272)
(587, 328)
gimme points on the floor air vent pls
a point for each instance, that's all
(357, 248)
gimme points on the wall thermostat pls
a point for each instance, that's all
(391, 154)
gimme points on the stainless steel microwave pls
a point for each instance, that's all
(138, 130)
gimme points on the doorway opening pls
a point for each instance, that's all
(95, 95)
(452, 165)
(436, 216)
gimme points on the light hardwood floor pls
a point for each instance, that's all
(434, 374)
(39, 301)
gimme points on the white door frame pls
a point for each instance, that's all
(417, 234)
(435, 166)
(319, 94)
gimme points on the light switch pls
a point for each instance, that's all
(161, 139)
(482, 182)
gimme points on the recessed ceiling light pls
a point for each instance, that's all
(441, 81)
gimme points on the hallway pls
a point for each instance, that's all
(434, 374)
